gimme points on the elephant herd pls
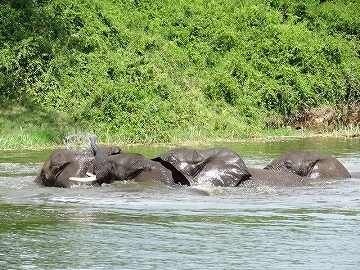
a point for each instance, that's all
(184, 166)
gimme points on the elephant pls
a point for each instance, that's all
(63, 164)
(310, 164)
(225, 168)
(218, 166)
(66, 168)
(110, 167)
(262, 177)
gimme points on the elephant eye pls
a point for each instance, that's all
(288, 164)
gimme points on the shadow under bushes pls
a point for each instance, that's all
(29, 113)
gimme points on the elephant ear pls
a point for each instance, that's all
(56, 170)
(308, 169)
(178, 176)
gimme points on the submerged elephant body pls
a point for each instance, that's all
(309, 164)
(119, 166)
(262, 177)
(184, 166)
(64, 164)
(130, 166)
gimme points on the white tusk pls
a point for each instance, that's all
(91, 178)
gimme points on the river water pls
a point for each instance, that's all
(150, 226)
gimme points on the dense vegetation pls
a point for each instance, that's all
(159, 71)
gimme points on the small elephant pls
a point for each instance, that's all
(110, 167)
(219, 166)
(262, 177)
(63, 164)
(309, 164)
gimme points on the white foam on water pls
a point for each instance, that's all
(208, 189)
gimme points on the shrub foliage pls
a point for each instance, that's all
(141, 70)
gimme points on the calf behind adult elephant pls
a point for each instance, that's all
(309, 164)
(276, 179)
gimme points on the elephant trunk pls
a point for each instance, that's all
(93, 147)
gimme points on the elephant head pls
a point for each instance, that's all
(309, 164)
(65, 168)
(62, 165)
(110, 166)
(219, 166)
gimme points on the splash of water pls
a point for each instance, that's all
(78, 142)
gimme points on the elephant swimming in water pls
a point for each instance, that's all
(218, 166)
(65, 168)
(62, 165)
(224, 167)
(110, 167)
(309, 164)
(277, 179)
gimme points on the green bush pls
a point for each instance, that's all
(163, 70)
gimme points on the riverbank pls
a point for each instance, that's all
(24, 127)
(41, 138)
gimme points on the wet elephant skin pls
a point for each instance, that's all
(129, 166)
(63, 164)
(309, 164)
(262, 177)
(218, 166)
(119, 166)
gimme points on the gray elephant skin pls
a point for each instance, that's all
(309, 164)
(110, 167)
(276, 179)
(109, 164)
(217, 166)
(63, 164)
(225, 168)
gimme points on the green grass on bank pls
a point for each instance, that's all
(28, 128)
(170, 71)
